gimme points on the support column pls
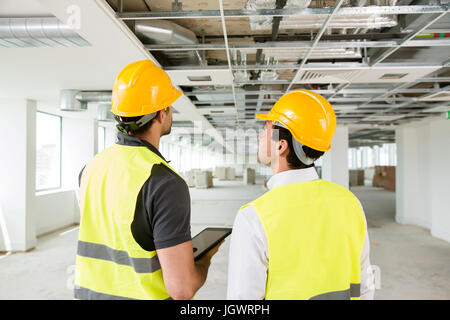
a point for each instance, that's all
(412, 176)
(423, 175)
(18, 175)
(440, 179)
(335, 161)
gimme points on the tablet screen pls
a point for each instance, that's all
(207, 239)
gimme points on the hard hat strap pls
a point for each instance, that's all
(301, 155)
(127, 126)
(298, 149)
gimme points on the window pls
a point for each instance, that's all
(101, 139)
(48, 151)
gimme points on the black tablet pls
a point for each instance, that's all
(208, 239)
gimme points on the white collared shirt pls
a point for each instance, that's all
(249, 256)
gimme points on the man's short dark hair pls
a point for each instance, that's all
(292, 159)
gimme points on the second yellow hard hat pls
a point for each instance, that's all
(142, 88)
(307, 115)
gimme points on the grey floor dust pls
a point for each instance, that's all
(412, 263)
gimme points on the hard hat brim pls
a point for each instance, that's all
(264, 116)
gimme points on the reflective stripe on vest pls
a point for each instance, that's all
(315, 235)
(100, 251)
(110, 264)
(86, 294)
(353, 292)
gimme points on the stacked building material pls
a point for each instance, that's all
(384, 177)
(389, 182)
(220, 173)
(249, 176)
(230, 175)
(356, 177)
(189, 177)
(203, 179)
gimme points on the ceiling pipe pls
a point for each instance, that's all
(38, 32)
(168, 32)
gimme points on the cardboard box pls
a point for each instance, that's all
(203, 180)
(356, 178)
(249, 176)
(189, 177)
(220, 173)
(230, 174)
(384, 177)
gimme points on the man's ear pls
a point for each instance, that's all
(283, 147)
(160, 116)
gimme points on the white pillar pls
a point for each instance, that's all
(18, 175)
(423, 175)
(335, 161)
(440, 179)
(412, 176)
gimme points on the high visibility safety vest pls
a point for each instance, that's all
(110, 264)
(315, 236)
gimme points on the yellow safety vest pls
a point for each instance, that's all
(315, 236)
(110, 264)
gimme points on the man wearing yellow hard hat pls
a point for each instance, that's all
(305, 238)
(134, 237)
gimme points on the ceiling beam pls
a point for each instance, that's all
(406, 39)
(319, 12)
(306, 45)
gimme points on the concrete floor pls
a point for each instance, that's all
(413, 264)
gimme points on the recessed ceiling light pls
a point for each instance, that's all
(392, 76)
(199, 78)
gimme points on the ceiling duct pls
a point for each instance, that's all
(265, 22)
(104, 112)
(69, 102)
(168, 32)
(306, 21)
(75, 100)
(38, 32)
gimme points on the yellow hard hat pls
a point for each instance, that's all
(142, 88)
(307, 115)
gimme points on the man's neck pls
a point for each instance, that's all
(280, 166)
(153, 139)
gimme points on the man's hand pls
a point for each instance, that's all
(183, 277)
(208, 255)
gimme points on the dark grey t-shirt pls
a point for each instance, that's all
(163, 208)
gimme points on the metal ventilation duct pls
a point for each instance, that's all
(75, 100)
(38, 32)
(69, 102)
(104, 112)
(167, 32)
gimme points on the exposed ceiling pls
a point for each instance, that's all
(40, 72)
(380, 64)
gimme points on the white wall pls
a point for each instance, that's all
(79, 145)
(423, 176)
(440, 179)
(17, 172)
(64, 212)
(412, 176)
(335, 161)
(110, 136)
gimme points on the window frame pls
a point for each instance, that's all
(60, 154)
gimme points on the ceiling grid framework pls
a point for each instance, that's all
(379, 65)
